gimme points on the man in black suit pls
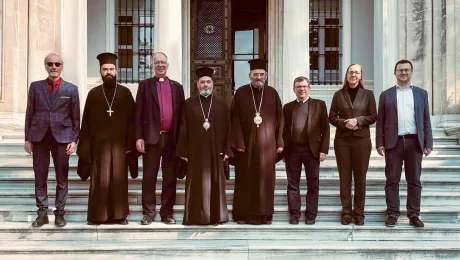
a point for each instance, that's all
(52, 125)
(403, 136)
(306, 139)
(159, 104)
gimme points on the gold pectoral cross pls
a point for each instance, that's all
(110, 111)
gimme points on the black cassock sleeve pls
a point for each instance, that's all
(84, 144)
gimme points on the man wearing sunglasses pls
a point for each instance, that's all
(52, 125)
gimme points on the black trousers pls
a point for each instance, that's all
(41, 161)
(407, 151)
(151, 161)
(295, 159)
(352, 155)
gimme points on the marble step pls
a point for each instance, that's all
(440, 139)
(442, 157)
(320, 231)
(431, 170)
(442, 184)
(78, 213)
(231, 250)
(326, 197)
(446, 181)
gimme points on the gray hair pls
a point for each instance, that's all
(53, 54)
(159, 52)
(300, 79)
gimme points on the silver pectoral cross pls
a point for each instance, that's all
(110, 111)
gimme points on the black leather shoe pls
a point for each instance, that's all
(294, 220)
(346, 220)
(359, 221)
(59, 221)
(147, 220)
(391, 221)
(416, 222)
(122, 222)
(265, 221)
(241, 222)
(168, 220)
(40, 221)
(310, 219)
(92, 223)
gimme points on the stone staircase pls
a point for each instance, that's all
(327, 239)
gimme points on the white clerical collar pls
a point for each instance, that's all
(161, 79)
(298, 101)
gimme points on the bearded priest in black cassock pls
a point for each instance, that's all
(107, 146)
(256, 137)
(203, 143)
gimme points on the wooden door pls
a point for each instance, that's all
(211, 44)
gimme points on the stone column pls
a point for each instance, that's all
(168, 35)
(74, 45)
(14, 84)
(295, 45)
(275, 45)
(44, 35)
(186, 71)
(346, 37)
(456, 41)
(385, 44)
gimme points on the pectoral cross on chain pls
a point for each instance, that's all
(110, 111)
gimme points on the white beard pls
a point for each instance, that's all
(206, 92)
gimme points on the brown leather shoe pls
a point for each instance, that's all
(168, 220)
(391, 221)
(59, 221)
(147, 220)
(294, 220)
(416, 222)
(359, 221)
(310, 219)
(40, 221)
(346, 220)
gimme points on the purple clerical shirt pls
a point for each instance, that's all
(166, 109)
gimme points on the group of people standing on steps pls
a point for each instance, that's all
(199, 137)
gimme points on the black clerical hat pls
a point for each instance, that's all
(204, 71)
(107, 58)
(258, 64)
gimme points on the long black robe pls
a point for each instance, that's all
(255, 174)
(205, 200)
(104, 141)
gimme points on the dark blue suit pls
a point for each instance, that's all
(407, 149)
(50, 126)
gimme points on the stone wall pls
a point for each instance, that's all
(429, 36)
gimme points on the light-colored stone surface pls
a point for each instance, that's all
(385, 44)
(295, 46)
(74, 45)
(15, 59)
(168, 36)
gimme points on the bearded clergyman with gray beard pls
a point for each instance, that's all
(203, 143)
(256, 137)
(107, 139)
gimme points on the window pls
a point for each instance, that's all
(246, 47)
(325, 53)
(134, 46)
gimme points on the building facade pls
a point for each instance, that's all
(314, 38)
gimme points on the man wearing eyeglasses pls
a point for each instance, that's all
(52, 125)
(306, 137)
(403, 136)
(159, 104)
